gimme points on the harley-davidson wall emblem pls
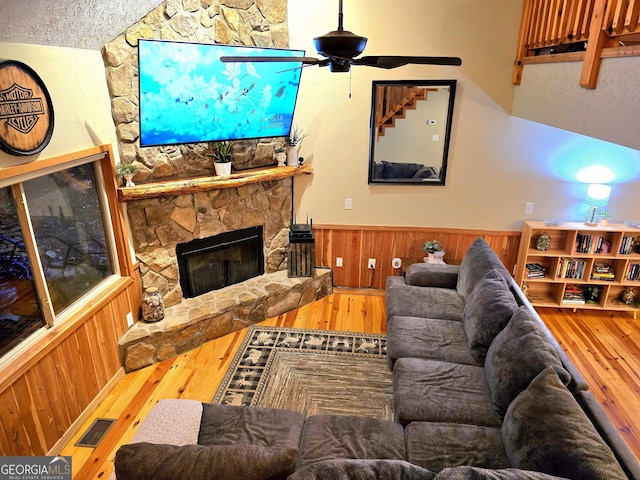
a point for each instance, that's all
(26, 112)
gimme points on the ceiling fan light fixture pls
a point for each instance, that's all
(340, 43)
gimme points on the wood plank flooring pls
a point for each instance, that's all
(604, 347)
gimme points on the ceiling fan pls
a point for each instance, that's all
(340, 47)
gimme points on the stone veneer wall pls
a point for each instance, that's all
(260, 23)
(157, 225)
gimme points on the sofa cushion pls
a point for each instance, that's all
(437, 391)
(234, 425)
(545, 430)
(476, 262)
(427, 338)
(432, 275)
(326, 437)
(349, 469)
(474, 473)
(486, 312)
(516, 356)
(143, 461)
(427, 302)
(436, 445)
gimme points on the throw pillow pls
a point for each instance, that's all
(350, 469)
(545, 430)
(143, 461)
(486, 312)
(400, 170)
(516, 356)
(475, 473)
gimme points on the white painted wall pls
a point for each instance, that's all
(497, 162)
(77, 85)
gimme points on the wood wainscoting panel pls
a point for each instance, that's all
(356, 244)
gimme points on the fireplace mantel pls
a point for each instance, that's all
(202, 184)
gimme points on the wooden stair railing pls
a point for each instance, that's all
(602, 28)
(393, 103)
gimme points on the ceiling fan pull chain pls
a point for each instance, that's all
(350, 78)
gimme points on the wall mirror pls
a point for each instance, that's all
(410, 131)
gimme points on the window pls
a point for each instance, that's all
(54, 250)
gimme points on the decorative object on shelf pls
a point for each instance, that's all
(435, 251)
(605, 217)
(552, 222)
(222, 157)
(591, 293)
(293, 142)
(597, 199)
(281, 156)
(543, 242)
(127, 171)
(152, 305)
(628, 296)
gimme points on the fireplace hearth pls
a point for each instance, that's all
(215, 262)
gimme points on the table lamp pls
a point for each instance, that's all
(597, 197)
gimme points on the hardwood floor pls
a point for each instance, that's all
(603, 346)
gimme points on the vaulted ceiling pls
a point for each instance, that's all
(87, 24)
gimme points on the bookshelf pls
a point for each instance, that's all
(584, 267)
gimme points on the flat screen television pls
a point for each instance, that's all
(187, 95)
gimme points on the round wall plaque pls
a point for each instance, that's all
(26, 111)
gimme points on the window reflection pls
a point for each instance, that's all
(67, 220)
(20, 313)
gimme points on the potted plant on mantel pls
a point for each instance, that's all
(127, 172)
(293, 142)
(222, 157)
(435, 251)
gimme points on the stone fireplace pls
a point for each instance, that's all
(160, 222)
(211, 263)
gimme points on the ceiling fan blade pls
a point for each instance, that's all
(304, 60)
(391, 61)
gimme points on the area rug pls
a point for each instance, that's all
(312, 372)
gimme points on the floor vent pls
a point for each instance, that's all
(96, 432)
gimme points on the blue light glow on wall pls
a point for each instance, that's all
(588, 160)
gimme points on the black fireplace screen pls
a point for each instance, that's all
(216, 262)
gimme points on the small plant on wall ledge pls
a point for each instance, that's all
(222, 157)
(435, 251)
(295, 137)
(127, 171)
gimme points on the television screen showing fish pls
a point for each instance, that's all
(187, 95)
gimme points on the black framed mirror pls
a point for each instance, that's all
(410, 131)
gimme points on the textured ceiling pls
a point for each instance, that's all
(87, 24)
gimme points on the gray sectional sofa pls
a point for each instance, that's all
(481, 391)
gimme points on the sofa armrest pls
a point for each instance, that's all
(432, 275)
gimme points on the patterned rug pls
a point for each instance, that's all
(310, 371)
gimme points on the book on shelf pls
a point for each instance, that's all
(535, 270)
(633, 272)
(626, 247)
(592, 244)
(573, 294)
(570, 268)
(603, 271)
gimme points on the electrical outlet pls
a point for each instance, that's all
(338, 261)
(130, 319)
(372, 263)
(528, 208)
(348, 203)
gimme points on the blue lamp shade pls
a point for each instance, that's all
(597, 197)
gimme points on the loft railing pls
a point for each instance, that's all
(577, 30)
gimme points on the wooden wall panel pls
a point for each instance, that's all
(52, 383)
(356, 244)
(42, 402)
